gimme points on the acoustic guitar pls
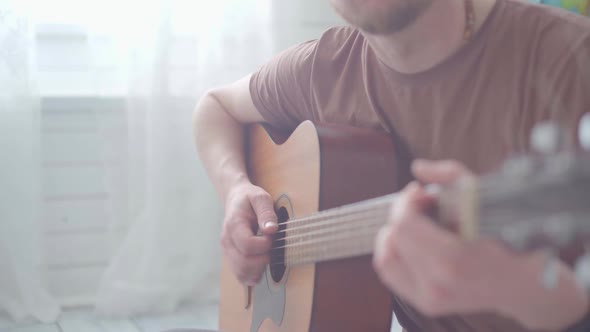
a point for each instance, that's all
(333, 188)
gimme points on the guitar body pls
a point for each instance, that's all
(310, 170)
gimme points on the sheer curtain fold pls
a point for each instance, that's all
(171, 252)
(164, 216)
(22, 288)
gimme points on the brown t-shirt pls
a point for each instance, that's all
(526, 64)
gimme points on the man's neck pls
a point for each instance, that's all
(436, 35)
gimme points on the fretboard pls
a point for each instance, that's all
(342, 232)
(549, 210)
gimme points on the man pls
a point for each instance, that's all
(461, 80)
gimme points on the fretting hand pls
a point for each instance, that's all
(439, 273)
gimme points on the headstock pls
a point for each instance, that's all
(538, 201)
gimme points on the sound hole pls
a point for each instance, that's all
(277, 261)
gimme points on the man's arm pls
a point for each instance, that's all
(218, 126)
(218, 122)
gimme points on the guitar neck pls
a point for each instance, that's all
(545, 213)
(342, 232)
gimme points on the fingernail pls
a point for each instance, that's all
(269, 224)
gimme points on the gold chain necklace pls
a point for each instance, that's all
(469, 21)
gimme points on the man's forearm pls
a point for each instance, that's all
(220, 143)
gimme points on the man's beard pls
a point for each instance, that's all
(397, 17)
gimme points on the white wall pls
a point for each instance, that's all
(298, 21)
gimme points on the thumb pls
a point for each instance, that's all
(266, 217)
(439, 172)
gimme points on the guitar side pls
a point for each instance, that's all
(313, 169)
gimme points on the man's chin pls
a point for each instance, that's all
(386, 28)
(380, 17)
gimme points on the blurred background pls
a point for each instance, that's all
(105, 210)
(107, 219)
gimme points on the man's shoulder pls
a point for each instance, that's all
(332, 43)
(546, 20)
(549, 35)
(340, 33)
(337, 45)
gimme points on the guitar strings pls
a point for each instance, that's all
(309, 251)
(345, 209)
(336, 246)
(325, 233)
(482, 187)
(325, 218)
(334, 237)
(328, 225)
(327, 238)
(331, 247)
(347, 213)
(327, 229)
(323, 246)
(347, 228)
(328, 246)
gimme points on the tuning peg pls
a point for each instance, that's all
(548, 138)
(560, 228)
(584, 132)
(582, 270)
(550, 274)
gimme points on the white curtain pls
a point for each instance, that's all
(22, 291)
(171, 250)
(164, 216)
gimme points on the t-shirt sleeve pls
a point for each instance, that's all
(281, 89)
